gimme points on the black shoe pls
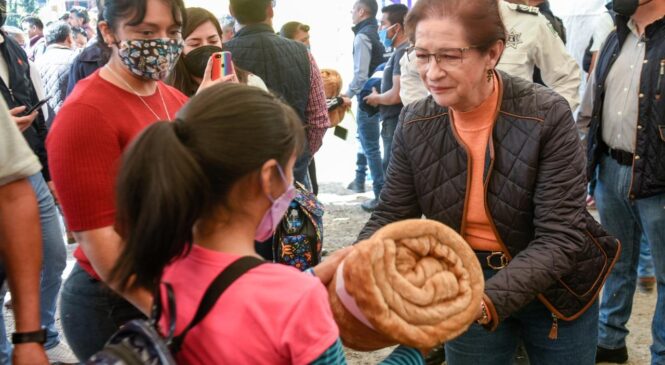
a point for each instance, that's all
(646, 284)
(356, 186)
(615, 356)
(369, 205)
(437, 356)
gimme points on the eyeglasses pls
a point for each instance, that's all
(451, 57)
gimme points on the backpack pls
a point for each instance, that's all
(299, 237)
(140, 342)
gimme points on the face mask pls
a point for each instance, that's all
(383, 35)
(151, 59)
(276, 212)
(197, 60)
(627, 7)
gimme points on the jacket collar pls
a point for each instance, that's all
(623, 29)
(254, 29)
(34, 40)
(363, 24)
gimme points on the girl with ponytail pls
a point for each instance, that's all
(193, 196)
(104, 113)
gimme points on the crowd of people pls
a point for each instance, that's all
(468, 113)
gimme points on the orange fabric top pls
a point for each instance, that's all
(474, 128)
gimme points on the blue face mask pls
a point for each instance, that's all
(383, 36)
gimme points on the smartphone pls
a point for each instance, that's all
(227, 64)
(216, 66)
(341, 132)
(36, 106)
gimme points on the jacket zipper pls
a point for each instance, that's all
(11, 93)
(468, 173)
(660, 78)
(631, 196)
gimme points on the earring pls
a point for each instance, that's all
(490, 75)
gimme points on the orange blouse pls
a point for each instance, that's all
(474, 128)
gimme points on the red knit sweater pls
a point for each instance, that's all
(89, 134)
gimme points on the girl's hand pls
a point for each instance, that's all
(326, 270)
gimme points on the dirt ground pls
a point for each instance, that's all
(344, 219)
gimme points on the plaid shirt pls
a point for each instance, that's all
(317, 110)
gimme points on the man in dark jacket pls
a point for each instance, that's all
(287, 68)
(626, 153)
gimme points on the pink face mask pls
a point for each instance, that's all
(276, 212)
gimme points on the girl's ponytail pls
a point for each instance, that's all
(161, 194)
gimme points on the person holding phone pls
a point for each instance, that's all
(97, 122)
(203, 40)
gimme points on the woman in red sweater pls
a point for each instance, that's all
(97, 122)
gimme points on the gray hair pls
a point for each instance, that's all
(57, 32)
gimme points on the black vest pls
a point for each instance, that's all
(370, 28)
(283, 64)
(648, 177)
(21, 92)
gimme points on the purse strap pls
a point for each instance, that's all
(227, 277)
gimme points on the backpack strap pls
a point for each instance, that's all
(214, 292)
(157, 310)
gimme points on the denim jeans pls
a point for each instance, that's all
(91, 313)
(576, 342)
(629, 220)
(645, 264)
(369, 132)
(54, 263)
(387, 133)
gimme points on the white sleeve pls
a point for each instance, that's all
(253, 80)
(17, 161)
(558, 68)
(411, 86)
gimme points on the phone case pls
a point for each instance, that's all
(216, 66)
(227, 64)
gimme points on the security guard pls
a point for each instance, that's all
(532, 41)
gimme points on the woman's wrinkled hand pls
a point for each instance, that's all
(208, 81)
(326, 270)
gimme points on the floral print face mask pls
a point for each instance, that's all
(151, 59)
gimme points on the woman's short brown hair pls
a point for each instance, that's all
(481, 19)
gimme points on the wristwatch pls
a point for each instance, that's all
(29, 337)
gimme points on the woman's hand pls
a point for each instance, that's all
(326, 270)
(208, 81)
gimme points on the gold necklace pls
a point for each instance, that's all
(166, 110)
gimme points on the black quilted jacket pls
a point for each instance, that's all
(535, 197)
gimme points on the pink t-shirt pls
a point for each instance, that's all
(274, 314)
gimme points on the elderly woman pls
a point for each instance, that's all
(498, 159)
